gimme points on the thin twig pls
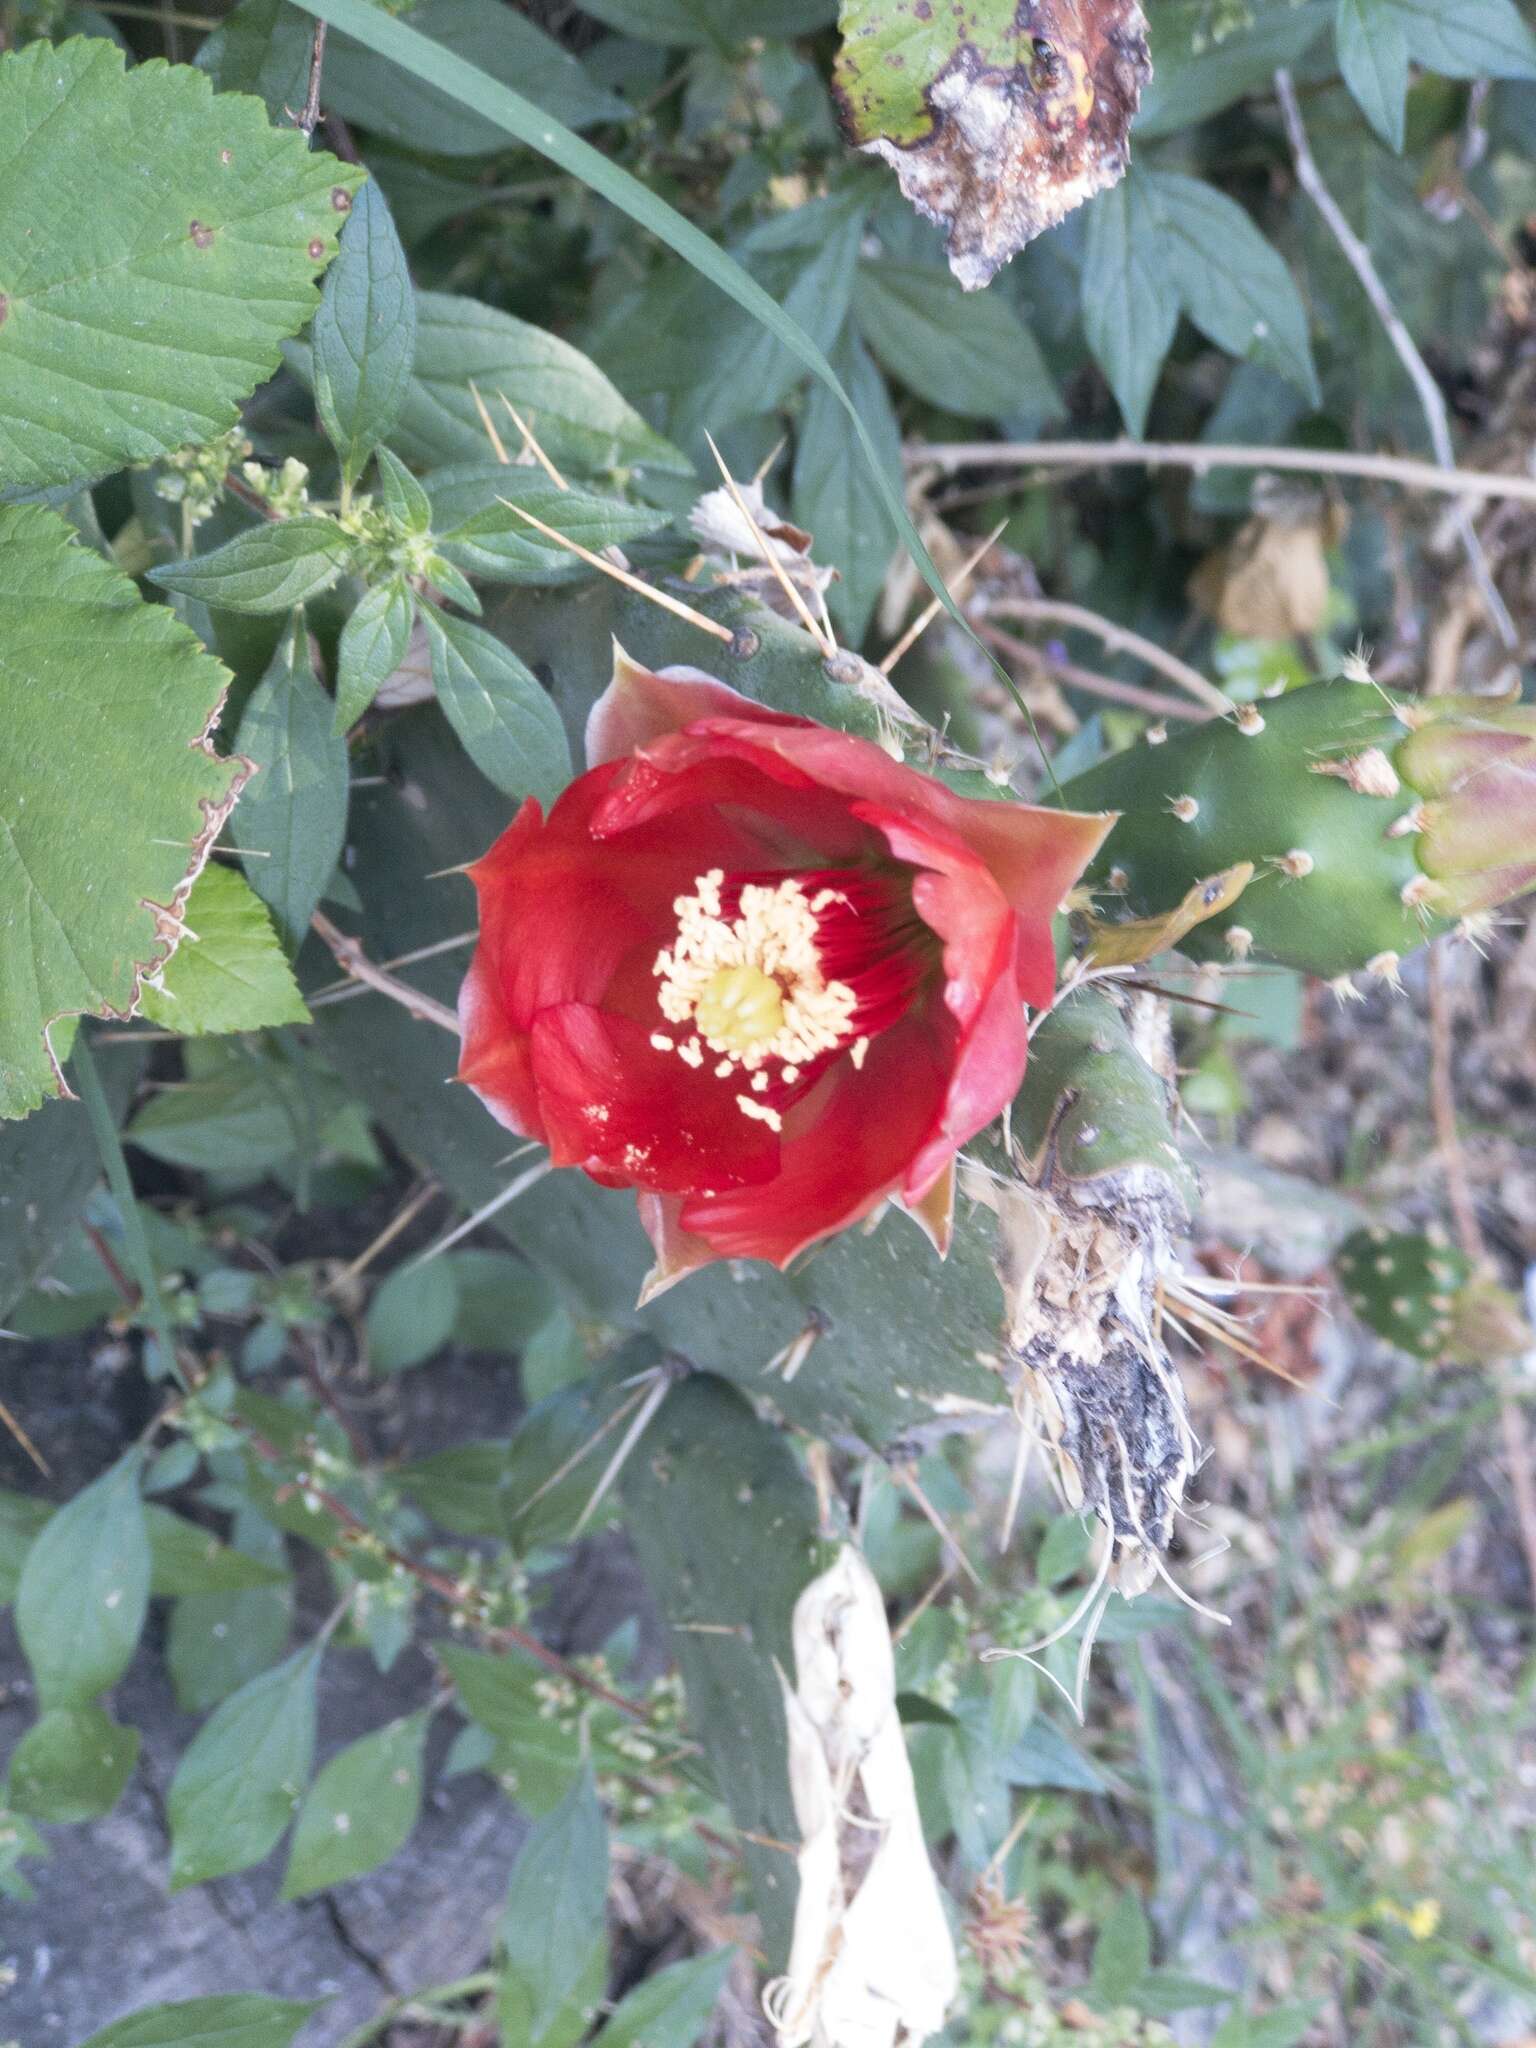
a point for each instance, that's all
(309, 119)
(1453, 1163)
(931, 610)
(1052, 611)
(1201, 456)
(349, 987)
(1431, 398)
(642, 589)
(1087, 679)
(351, 957)
(402, 1219)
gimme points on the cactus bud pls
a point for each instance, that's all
(1474, 765)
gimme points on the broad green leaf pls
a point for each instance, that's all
(107, 796)
(270, 568)
(1130, 303)
(156, 246)
(363, 340)
(187, 1559)
(1122, 1955)
(1196, 74)
(1281, 2027)
(555, 1907)
(295, 809)
(84, 1588)
(242, 2019)
(969, 353)
(1043, 1756)
(360, 1810)
(519, 118)
(1232, 282)
(1065, 1550)
(21, 1517)
(412, 1315)
(581, 422)
(72, 1765)
(242, 1776)
(508, 723)
(473, 512)
(372, 646)
(1470, 39)
(229, 972)
(364, 88)
(553, 1358)
(262, 47)
(834, 498)
(219, 1641)
(1373, 56)
(402, 495)
(669, 2009)
(503, 1301)
(536, 1759)
(19, 1841)
(720, 24)
(241, 1112)
(461, 1488)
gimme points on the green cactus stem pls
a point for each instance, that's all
(1372, 825)
(1421, 1294)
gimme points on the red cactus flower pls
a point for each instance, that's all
(758, 971)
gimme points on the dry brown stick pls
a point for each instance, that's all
(1201, 456)
(1453, 1163)
(1053, 611)
(1086, 679)
(355, 962)
(402, 1219)
(1431, 398)
(310, 117)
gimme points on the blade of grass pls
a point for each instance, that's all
(396, 40)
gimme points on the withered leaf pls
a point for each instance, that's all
(997, 116)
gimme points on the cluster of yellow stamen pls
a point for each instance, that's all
(751, 987)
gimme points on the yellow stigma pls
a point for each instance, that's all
(739, 1009)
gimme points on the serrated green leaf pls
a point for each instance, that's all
(1232, 283)
(360, 1810)
(411, 1316)
(187, 1559)
(72, 1765)
(461, 1488)
(243, 2019)
(372, 646)
(244, 1772)
(1130, 304)
(555, 1907)
(363, 341)
(84, 1589)
(1122, 1955)
(402, 496)
(969, 353)
(507, 722)
(536, 1759)
(473, 512)
(364, 89)
(228, 972)
(105, 792)
(670, 2008)
(156, 245)
(1196, 74)
(1373, 57)
(295, 810)
(271, 568)
(582, 423)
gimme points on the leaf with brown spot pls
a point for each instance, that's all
(999, 117)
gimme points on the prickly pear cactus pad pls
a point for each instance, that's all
(1305, 787)
(1423, 1295)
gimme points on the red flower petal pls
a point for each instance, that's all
(613, 1104)
(641, 705)
(844, 1149)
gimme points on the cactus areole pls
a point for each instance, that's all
(1372, 824)
(759, 971)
